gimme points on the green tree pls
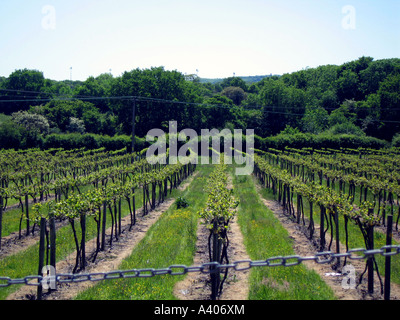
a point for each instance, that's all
(377, 71)
(282, 106)
(57, 89)
(31, 121)
(76, 125)
(368, 115)
(218, 111)
(59, 112)
(234, 82)
(23, 87)
(347, 85)
(10, 135)
(236, 94)
(389, 98)
(315, 120)
(95, 87)
(163, 88)
(344, 114)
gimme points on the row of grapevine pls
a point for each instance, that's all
(36, 176)
(108, 196)
(217, 214)
(321, 179)
(377, 180)
(86, 185)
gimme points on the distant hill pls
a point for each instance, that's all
(248, 79)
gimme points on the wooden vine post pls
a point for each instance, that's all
(389, 235)
(42, 246)
(52, 227)
(1, 212)
(370, 231)
(216, 253)
(104, 222)
(337, 233)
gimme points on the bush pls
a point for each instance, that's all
(92, 141)
(10, 135)
(345, 128)
(308, 140)
(396, 141)
(181, 203)
(31, 121)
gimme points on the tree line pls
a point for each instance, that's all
(360, 98)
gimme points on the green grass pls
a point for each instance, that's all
(171, 241)
(264, 238)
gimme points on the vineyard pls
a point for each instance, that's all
(76, 210)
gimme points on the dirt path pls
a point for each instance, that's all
(196, 285)
(236, 286)
(13, 243)
(107, 260)
(304, 247)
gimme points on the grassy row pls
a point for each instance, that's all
(265, 237)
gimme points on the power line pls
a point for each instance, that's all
(263, 109)
(139, 98)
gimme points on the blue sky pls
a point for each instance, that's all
(218, 38)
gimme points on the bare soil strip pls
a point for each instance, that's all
(196, 285)
(13, 243)
(304, 247)
(107, 260)
(236, 286)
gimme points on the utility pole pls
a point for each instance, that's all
(133, 124)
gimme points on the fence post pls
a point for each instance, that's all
(27, 214)
(370, 262)
(215, 280)
(389, 235)
(1, 217)
(52, 226)
(337, 234)
(83, 242)
(41, 254)
(321, 230)
(103, 230)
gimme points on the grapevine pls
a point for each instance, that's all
(220, 209)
